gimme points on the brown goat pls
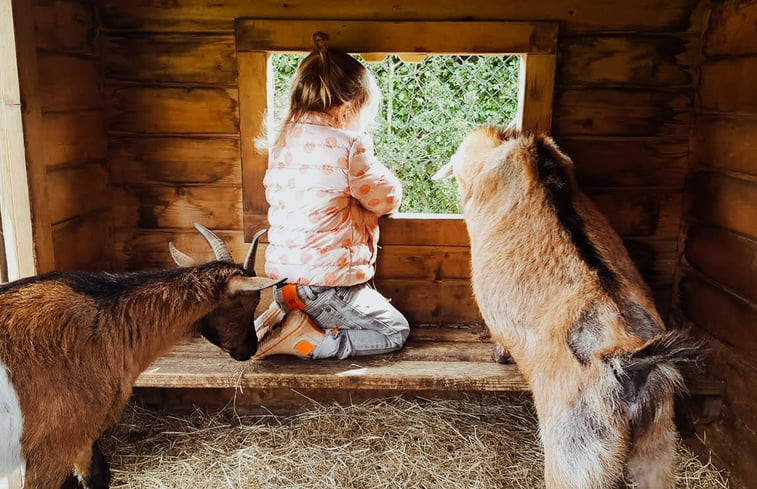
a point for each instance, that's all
(559, 292)
(72, 345)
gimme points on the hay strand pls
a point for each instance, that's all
(389, 443)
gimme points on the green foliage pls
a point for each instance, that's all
(427, 109)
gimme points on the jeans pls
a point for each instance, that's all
(358, 320)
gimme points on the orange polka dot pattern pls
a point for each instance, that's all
(326, 189)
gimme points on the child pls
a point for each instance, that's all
(326, 191)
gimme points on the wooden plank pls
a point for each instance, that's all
(370, 36)
(578, 16)
(84, 243)
(725, 201)
(725, 143)
(640, 212)
(727, 85)
(28, 75)
(535, 92)
(721, 314)
(175, 159)
(255, 97)
(730, 30)
(138, 249)
(73, 137)
(67, 26)
(423, 262)
(69, 82)
(656, 259)
(423, 230)
(16, 234)
(638, 60)
(203, 365)
(466, 333)
(77, 190)
(172, 110)
(206, 59)
(437, 302)
(177, 206)
(725, 258)
(623, 112)
(613, 162)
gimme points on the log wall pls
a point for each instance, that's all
(624, 93)
(717, 279)
(64, 130)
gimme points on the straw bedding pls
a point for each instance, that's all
(488, 442)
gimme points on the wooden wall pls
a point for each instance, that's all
(623, 108)
(61, 90)
(717, 283)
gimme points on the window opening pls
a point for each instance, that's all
(427, 108)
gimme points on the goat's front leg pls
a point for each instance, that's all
(90, 470)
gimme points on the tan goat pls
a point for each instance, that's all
(558, 291)
(72, 345)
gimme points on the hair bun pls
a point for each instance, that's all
(319, 41)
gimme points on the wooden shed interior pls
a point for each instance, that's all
(130, 121)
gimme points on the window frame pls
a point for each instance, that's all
(257, 39)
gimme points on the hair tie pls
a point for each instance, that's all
(319, 40)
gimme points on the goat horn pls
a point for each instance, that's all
(219, 247)
(181, 258)
(249, 261)
(241, 285)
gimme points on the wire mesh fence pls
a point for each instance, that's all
(426, 110)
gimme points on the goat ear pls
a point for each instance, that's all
(181, 258)
(443, 172)
(240, 285)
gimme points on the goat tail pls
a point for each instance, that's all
(652, 374)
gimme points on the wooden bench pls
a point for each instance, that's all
(437, 360)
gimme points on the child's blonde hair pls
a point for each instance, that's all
(327, 79)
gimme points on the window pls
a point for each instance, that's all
(523, 53)
(429, 104)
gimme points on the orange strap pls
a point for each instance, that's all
(291, 299)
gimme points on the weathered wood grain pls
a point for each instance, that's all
(640, 212)
(372, 36)
(84, 243)
(145, 160)
(255, 97)
(721, 314)
(77, 190)
(429, 366)
(137, 249)
(205, 59)
(536, 91)
(423, 262)
(727, 86)
(627, 112)
(171, 206)
(619, 162)
(627, 60)
(731, 29)
(67, 26)
(577, 16)
(727, 258)
(725, 201)
(446, 301)
(172, 110)
(68, 82)
(73, 137)
(31, 113)
(726, 143)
